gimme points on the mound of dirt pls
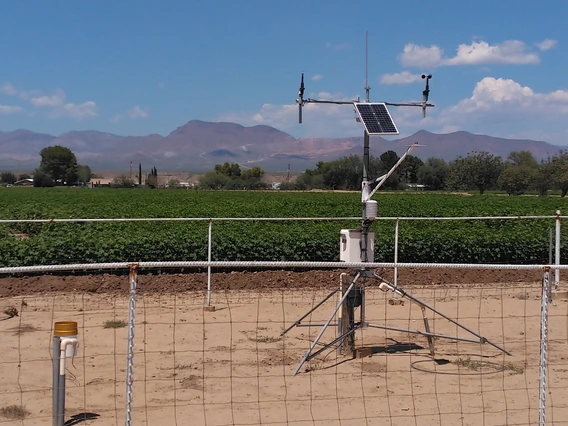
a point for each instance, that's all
(245, 280)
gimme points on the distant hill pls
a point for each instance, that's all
(199, 145)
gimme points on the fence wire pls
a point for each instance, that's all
(229, 365)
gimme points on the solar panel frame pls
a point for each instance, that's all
(376, 118)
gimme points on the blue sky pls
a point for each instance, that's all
(134, 68)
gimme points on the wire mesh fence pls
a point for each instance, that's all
(231, 365)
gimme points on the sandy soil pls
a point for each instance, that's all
(231, 366)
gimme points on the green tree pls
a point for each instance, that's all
(232, 170)
(84, 173)
(559, 164)
(433, 173)
(522, 158)
(7, 177)
(60, 164)
(519, 172)
(409, 169)
(213, 180)
(254, 173)
(479, 169)
(122, 181)
(42, 179)
(388, 160)
(152, 178)
(543, 179)
(515, 179)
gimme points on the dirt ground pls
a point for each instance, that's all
(231, 366)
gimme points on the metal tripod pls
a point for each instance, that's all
(353, 295)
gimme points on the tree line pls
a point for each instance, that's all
(478, 170)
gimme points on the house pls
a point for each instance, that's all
(24, 182)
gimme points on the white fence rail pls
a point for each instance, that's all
(554, 247)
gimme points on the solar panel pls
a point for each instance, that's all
(376, 119)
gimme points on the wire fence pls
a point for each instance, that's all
(160, 347)
(156, 356)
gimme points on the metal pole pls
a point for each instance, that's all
(396, 253)
(209, 267)
(543, 348)
(557, 249)
(550, 244)
(61, 391)
(56, 354)
(133, 278)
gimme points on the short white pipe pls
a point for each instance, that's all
(63, 352)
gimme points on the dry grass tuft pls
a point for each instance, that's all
(14, 412)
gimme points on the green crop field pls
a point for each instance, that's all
(487, 241)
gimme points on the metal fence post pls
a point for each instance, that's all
(133, 278)
(396, 252)
(557, 251)
(209, 267)
(543, 346)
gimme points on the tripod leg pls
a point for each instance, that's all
(347, 321)
(316, 340)
(427, 327)
(403, 293)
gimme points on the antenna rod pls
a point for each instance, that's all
(367, 88)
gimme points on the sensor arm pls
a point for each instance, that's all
(384, 178)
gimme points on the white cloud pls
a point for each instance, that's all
(337, 46)
(8, 89)
(499, 95)
(510, 52)
(414, 55)
(317, 77)
(9, 109)
(546, 44)
(56, 100)
(59, 108)
(403, 77)
(505, 108)
(137, 112)
(56, 103)
(116, 118)
(78, 112)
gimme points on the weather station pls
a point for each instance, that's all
(357, 245)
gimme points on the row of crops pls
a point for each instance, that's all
(486, 241)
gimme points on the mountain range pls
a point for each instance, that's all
(198, 145)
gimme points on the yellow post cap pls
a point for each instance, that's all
(65, 328)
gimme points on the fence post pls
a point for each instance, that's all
(557, 251)
(209, 267)
(545, 299)
(396, 252)
(133, 279)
